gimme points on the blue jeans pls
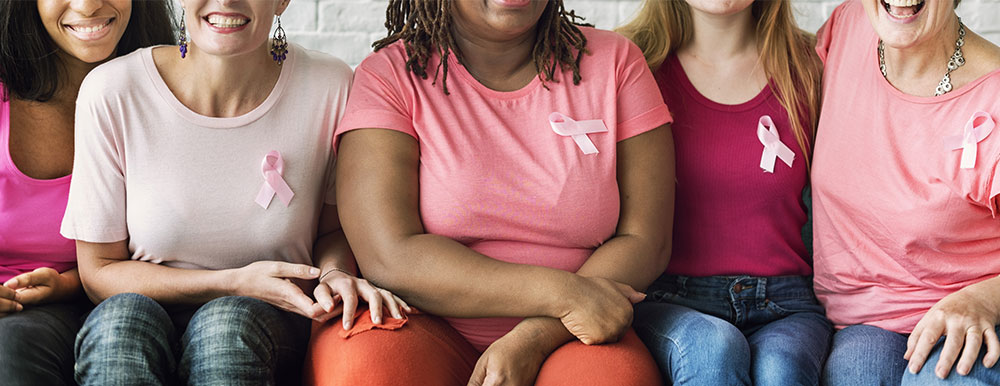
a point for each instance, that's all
(735, 330)
(36, 344)
(870, 356)
(130, 339)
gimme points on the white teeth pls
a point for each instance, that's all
(226, 21)
(903, 3)
(88, 29)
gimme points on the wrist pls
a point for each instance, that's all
(541, 335)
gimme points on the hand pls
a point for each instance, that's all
(509, 361)
(44, 285)
(600, 310)
(269, 281)
(966, 318)
(8, 304)
(338, 286)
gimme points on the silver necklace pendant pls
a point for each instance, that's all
(956, 61)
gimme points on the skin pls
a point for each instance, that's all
(915, 56)
(442, 276)
(41, 133)
(723, 51)
(227, 75)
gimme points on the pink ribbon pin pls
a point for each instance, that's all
(272, 167)
(773, 147)
(578, 130)
(977, 129)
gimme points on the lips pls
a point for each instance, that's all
(903, 9)
(227, 20)
(90, 29)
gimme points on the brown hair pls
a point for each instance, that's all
(786, 54)
(424, 26)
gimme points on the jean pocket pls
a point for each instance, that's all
(785, 307)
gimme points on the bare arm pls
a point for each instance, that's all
(106, 270)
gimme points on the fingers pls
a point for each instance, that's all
(8, 306)
(390, 302)
(953, 342)
(925, 342)
(324, 296)
(403, 304)
(298, 271)
(973, 341)
(302, 304)
(350, 299)
(6, 292)
(630, 293)
(992, 348)
(374, 300)
(492, 379)
(33, 295)
(478, 373)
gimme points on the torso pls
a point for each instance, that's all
(41, 138)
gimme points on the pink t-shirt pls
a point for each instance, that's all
(30, 213)
(732, 217)
(898, 224)
(493, 173)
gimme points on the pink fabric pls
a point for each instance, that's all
(731, 217)
(493, 174)
(898, 224)
(30, 213)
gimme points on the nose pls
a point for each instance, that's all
(86, 7)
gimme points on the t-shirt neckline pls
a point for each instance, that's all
(884, 83)
(220, 122)
(466, 76)
(685, 83)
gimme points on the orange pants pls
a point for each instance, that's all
(427, 351)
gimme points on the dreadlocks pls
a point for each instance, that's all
(424, 26)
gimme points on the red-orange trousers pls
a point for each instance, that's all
(427, 351)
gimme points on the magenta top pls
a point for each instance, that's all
(30, 213)
(731, 217)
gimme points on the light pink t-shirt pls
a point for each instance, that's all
(30, 212)
(898, 224)
(181, 187)
(493, 173)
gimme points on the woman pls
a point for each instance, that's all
(201, 173)
(905, 188)
(47, 48)
(489, 194)
(735, 305)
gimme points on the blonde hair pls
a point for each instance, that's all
(786, 54)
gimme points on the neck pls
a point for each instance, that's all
(504, 65)
(718, 37)
(225, 86)
(74, 70)
(925, 62)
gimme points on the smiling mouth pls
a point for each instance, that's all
(220, 21)
(92, 28)
(903, 9)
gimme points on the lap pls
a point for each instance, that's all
(865, 355)
(980, 375)
(626, 362)
(37, 343)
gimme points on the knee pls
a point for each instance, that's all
(230, 322)
(125, 319)
(626, 363)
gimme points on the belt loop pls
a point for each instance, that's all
(762, 288)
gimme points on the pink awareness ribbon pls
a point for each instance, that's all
(578, 130)
(272, 167)
(773, 147)
(977, 129)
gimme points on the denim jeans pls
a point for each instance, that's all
(871, 356)
(734, 330)
(130, 339)
(36, 344)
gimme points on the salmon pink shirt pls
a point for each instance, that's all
(30, 213)
(899, 224)
(494, 175)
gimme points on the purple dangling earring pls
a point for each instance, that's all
(279, 45)
(182, 40)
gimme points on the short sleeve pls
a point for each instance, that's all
(330, 195)
(96, 208)
(640, 104)
(826, 33)
(377, 97)
(992, 188)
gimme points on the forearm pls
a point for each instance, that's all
(161, 283)
(69, 286)
(635, 260)
(333, 252)
(444, 277)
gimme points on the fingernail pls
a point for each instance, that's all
(19, 307)
(314, 271)
(913, 369)
(397, 315)
(377, 320)
(347, 325)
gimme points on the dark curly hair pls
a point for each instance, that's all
(29, 66)
(424, 26)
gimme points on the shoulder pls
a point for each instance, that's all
(388, 59)
(121, 75)
(603, 42)
(319, 65)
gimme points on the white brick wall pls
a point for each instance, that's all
(346, 28)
